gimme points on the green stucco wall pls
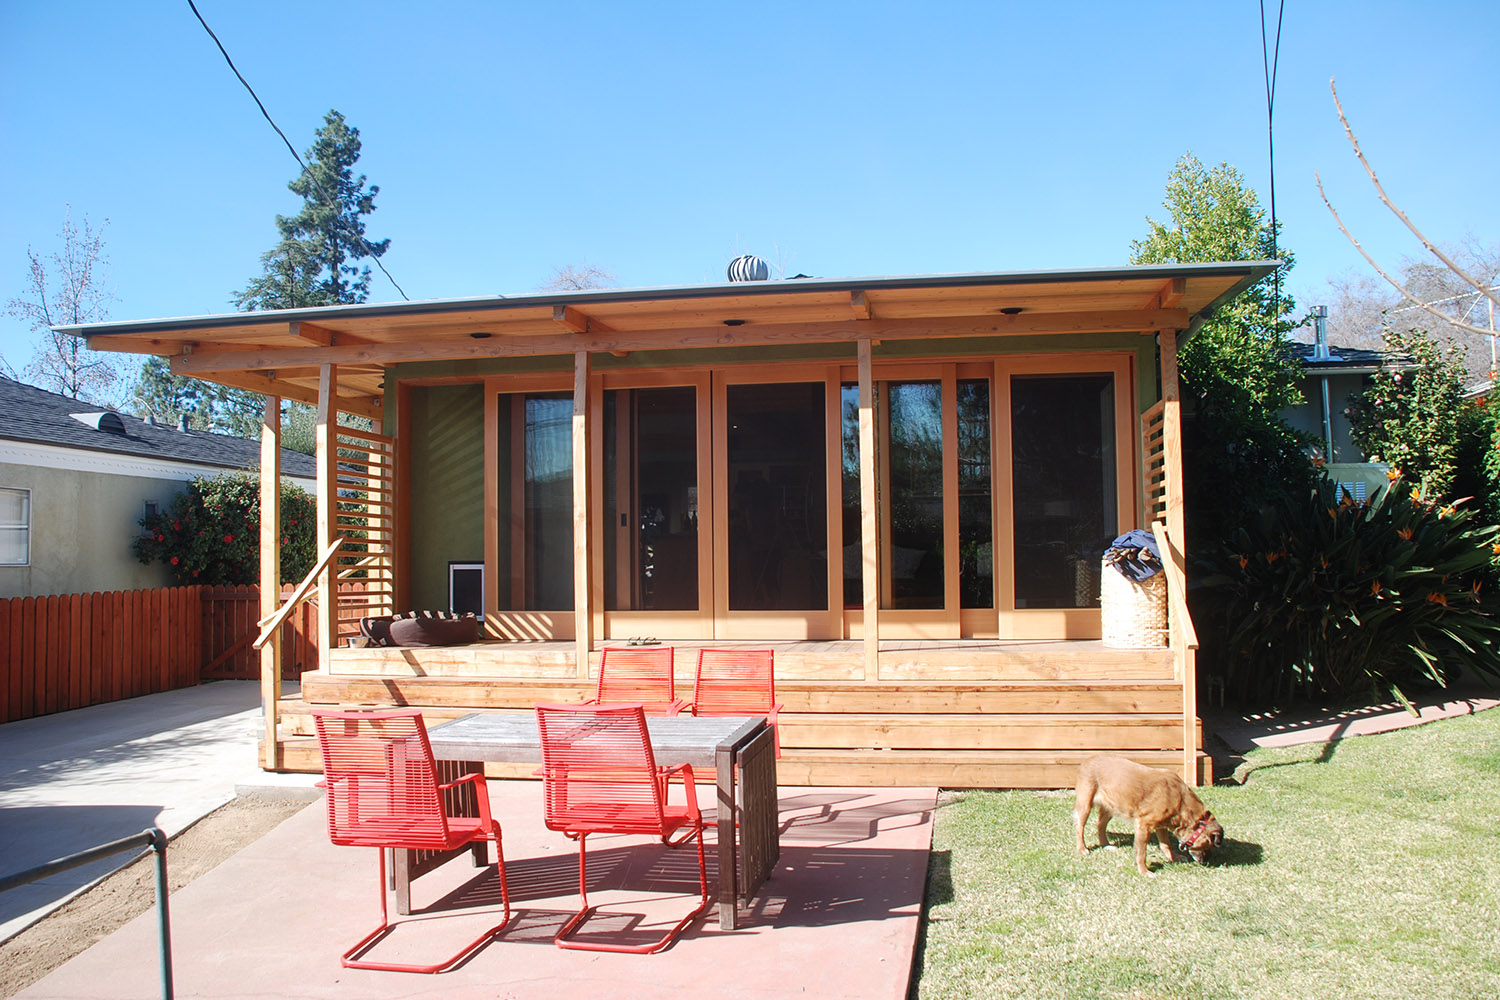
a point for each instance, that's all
(447, 487)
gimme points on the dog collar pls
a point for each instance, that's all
(1186, 843)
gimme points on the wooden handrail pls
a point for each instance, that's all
(1174, 565)
(303, 591)
(1185, 645)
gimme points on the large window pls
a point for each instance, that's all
(778, 526)
(651, 499)
(535, 502)
(1063, 441)
(15, 527)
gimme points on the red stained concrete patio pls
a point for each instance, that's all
(839, 918)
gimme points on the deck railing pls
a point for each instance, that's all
(1184, 644)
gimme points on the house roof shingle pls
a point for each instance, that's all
(40, 417)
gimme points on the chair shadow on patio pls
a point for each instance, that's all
(824, 876)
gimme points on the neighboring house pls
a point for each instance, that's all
(1331, 377)
(75, 480)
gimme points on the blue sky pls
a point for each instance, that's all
(657, 141)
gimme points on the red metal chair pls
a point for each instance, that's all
(599, 775)
(383, 792)
(638, 676)
(737, 682)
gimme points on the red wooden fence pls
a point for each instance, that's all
(73, 650)
(70, 650)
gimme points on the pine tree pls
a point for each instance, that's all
(316, 261)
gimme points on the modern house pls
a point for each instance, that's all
(904, 485)
(75, 480)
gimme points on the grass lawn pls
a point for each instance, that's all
(1366, 868)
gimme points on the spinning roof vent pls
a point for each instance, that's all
(748, 268)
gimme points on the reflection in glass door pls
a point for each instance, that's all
(651, 499)
(914, 457)
(535, 502)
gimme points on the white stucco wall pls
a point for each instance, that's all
(85, 511)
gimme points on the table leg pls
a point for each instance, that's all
(729, 854)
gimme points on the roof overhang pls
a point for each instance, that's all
(279, 352)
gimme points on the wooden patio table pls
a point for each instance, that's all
(741, 749)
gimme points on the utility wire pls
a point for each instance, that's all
(1269, 63)
(292, 149)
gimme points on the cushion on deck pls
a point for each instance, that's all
(433, 628)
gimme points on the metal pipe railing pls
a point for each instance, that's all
(153, 838)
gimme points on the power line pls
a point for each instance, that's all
(1269, 64)
(365, 244)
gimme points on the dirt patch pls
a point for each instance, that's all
(131, 891)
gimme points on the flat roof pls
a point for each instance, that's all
(279, 351)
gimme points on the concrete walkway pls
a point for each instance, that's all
(839, 917)
(74, 780)
(1240, 733)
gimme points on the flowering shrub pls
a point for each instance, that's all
(211, 532)
(1327, 594)
(1409, 417)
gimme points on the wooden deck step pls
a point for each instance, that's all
(841, 660)
(1016, 696)
(982, 732)
(890, 768)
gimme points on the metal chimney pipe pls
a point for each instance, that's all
(1321, 353)
(1320, 330)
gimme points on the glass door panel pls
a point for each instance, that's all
(976, 565)
(853, 557)
(1064, 486)
(776, 461)
(914, 427)
(651, 499)
(535, 502)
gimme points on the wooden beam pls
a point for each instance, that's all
(254, 381)
(583, 622)
(749, 335)
(1172, 292)
(576, 320)
(322, 336)
(869, 544)
(270, 574)
(860, 304)
(326, 453)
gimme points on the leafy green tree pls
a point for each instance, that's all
(210, 533)
(1237, 371)
(1411, 413)
(161, 393)
(316, 260)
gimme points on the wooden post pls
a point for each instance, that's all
(583, 619)
(327, 458)
(869, 545)
(270, 575)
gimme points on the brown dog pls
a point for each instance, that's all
(1156, 800)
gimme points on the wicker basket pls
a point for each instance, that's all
(1134, 614)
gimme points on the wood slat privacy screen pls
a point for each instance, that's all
(366, 516)
(1153, 464)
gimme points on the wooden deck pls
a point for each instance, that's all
(951, 713)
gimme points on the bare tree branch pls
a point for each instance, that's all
(1408, 296)
(1353, 141)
